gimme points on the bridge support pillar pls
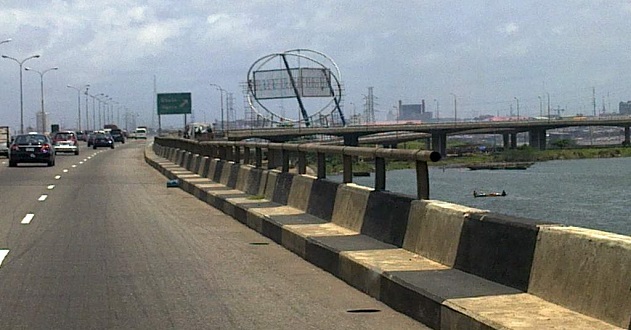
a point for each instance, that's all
(506, 141)
(439, 143)
(513, 140)
(537, 139)
(627, 136)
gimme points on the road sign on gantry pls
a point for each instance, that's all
(174, 103)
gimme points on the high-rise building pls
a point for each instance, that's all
(41, 120)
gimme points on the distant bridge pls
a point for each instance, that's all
(437, 131)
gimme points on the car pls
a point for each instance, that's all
(103, 140)
(66, 141)
(117, 135)
(81, 135)
(32, 148)
(141, 133)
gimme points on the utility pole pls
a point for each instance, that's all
(594, 100)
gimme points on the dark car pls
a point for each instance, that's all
(32, 148)
(102, 140)
(117, 135)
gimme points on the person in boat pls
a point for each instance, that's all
(503, 192)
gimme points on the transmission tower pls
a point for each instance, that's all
(231, 115)
(369, 107)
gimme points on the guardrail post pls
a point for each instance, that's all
(223, 152)
(302, 163)
(246, 155)
(422, 180)
(258, 157)
(380, 174)
(237, 154)
(347, 161)
(321, 165)
(285, 157)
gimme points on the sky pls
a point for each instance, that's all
(488, 56)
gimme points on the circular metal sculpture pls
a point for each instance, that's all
(309, 77)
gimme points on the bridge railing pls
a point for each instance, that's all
(281, 154)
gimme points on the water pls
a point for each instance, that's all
(590, 193)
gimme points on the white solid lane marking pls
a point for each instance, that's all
(50, 187)
(27, 219)
(57, 177)
(3, 254)
(65, 170)
(42, 198)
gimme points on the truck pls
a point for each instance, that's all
(5, 141)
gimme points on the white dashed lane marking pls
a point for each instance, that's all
(27, 219)
(74, 166)
(57, 177)
(50, 187)
(3, 254)
(65, 170)
(42, 198)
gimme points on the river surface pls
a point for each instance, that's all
(591, 193)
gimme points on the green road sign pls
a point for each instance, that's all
(174, 103)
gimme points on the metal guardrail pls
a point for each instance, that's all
(282, 153)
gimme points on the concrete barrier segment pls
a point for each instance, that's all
(586, 270)
(350, 206)
(434, 229)
(300, 192)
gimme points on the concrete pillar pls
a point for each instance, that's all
(513, 140)
(537, 138)
(439, 143)
(274, 158)
(506, 141)
(627, 140)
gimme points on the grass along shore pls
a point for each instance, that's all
(521, 154)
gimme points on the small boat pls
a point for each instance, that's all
(493, 194)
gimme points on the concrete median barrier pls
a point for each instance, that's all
(446, 265)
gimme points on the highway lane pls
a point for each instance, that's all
(112, 247)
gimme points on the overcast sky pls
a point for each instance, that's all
(487, 53)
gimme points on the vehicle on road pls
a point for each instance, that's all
(5, 141)
(141, 133)
(32, 148)
(66, 141)
(103, 140)
(117, 135)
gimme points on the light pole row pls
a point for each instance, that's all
(21, 63)
(221, 90)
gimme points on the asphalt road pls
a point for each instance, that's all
(99, 242)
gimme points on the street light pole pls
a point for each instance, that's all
(455, 107)
(79, 104)
(221, 90)
(41, 82)
(516, 99)
(20, 63)
(540, 106)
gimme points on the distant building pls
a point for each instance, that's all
(413, 112)
(625, 108)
